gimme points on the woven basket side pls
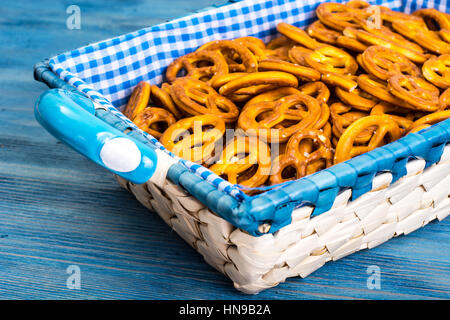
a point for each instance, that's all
(258, 263)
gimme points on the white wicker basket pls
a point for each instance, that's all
(258, 263)
(267, 254)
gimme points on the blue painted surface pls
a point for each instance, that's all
(58, 209)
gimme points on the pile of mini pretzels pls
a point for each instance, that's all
(358, 78)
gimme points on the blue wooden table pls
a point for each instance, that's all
(57, 209)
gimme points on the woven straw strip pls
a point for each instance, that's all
(258, 263)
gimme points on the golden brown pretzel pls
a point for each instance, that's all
(329, 59)
(357, 4)
(435, 35)
(403, 117)
(138, 100)
(320, 32)
(386, 131)
(196, 98)
(437, 70)
(245, 161)
(281, 79)
(255, 45)
(334, 64)
(415, 91)
(434, 18)
(192, 64)
(388, 39)
(161, 97)
(350, 43)
(194, 138)
(339, 16)
(433, 41)
(276, 121)
(379, 89)
(316, 90)
(358, 99)
(342, 116)
(444, 100)
(296, 55)
(278, 48)
(429, 120)
(238, 56)
(298, 35)
(154, 121)
(306, 152)
(272, 95)
(301, 72)
(384, 62)
(244, 93)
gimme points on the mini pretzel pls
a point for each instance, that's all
(346, 82)
(138, 100)
(301, 72)
(316, 90)
(357, 4)
(350, 43)
(392, 16)
(403, 117)
(444, 100)
(298, 35)
(238, 56)
(306, 152)
(253, 40)
(192, 64)
(342, 117)
(396, 43)
(434, 40)
(437, 71)
(196, 98)
(154, 121)
(334, 64)
(296, 55)
(279, 42)
(329, 59)
(394, 37)
(358, 99)
(429, 120)
(379, 89)
(272, 95)
(255, 45)
(386, 131)
(194, 138)
(319, 31)
(245, 161)
(161, 97)
(281, 79)
(383, 63)
(285, 117)
(415, 92)
(242, 94)
(278, 48)
(339, 16)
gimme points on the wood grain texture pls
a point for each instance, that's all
(58, 209)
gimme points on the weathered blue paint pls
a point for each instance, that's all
(58, 209)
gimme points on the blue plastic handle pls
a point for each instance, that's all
(70, 117)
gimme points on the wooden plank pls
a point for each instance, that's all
(58, 209)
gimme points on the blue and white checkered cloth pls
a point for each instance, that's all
(107, 71)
